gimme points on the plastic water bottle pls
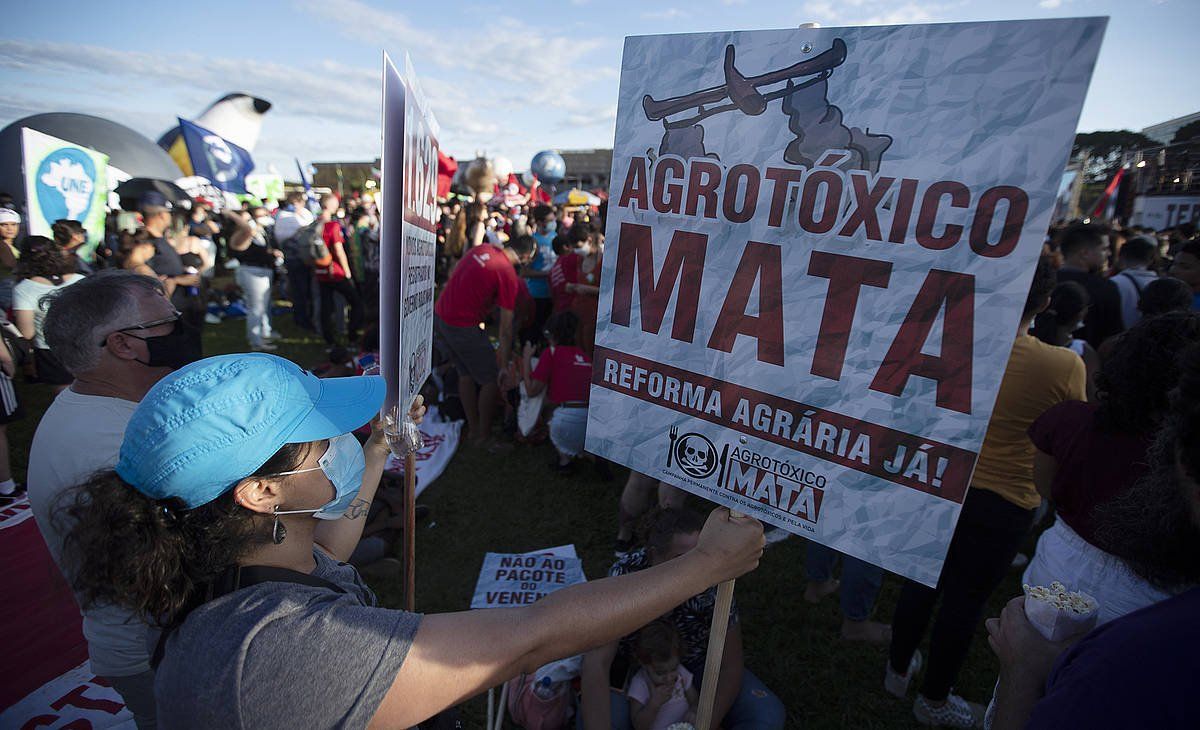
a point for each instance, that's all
(544, 689)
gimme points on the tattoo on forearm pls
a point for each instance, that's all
(358, 508)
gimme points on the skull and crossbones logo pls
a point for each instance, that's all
(696, 455)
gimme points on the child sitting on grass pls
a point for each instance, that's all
(564, 372)
(662, 692)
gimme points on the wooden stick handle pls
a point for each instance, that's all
(502, 708)
(716, 650)
(410, 532)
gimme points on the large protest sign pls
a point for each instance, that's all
(407, 236)
(64, 180)
(520, 579)
(819, 244)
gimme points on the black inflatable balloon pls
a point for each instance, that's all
(126, 149)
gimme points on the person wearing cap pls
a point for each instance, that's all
(10, 227)
(118, 334)
(207, 527)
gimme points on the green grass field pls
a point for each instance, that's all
(513, 503)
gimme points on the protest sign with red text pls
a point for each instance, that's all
(819, 245)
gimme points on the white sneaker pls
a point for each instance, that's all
(956, 712)
(897, 684)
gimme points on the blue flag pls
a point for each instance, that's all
(216, 158)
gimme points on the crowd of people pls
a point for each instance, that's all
(178, 493)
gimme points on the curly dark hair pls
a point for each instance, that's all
(1067, 302)
(65, 230)
(1134, 383)
(1152, 526)
(128, 243)
(562, 327)
(42, 257)
(1044, 281)
(152, 556)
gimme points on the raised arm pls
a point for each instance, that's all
(339, 537)
(456, 656)
(239, 240)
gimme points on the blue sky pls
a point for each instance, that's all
(503, 78)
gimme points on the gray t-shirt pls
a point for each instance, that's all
(284, 655)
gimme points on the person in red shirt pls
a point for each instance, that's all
(485, 278)
(575, 282)
(566, 372)
(334, 277)
(564, 274)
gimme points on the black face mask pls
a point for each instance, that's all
(179, 347)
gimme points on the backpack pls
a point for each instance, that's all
(310, 243)
(539, 706)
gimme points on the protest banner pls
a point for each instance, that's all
(407, 236)
(520, 579)
(407, 245)
(860, 210)
(77, 699)
(265, 186)
(64, 180)
(507, 580)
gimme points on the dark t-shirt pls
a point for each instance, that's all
(1104, 313)
(166, 261)
(256, 254)
(1094, 465)
(1139, 671)
(283, 655)
(692, 619)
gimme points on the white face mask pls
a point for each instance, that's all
(263, 221)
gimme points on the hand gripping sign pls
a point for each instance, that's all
(819, 244)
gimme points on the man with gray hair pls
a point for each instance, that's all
(118, 334)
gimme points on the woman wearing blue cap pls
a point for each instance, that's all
(205, 527)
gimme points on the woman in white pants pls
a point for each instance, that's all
(256, 271)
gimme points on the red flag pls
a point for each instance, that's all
(1106, 206)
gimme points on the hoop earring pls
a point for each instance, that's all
(278, 530)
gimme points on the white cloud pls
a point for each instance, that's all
(733, 2)
(326, 109)
(868, 12)
(1050, 4)
(819, 11)
(907, 13)
(668, 14)
(604, 114)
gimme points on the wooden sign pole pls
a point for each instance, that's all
(716, 650)
(410, 531)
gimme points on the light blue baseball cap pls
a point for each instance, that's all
(210, 424)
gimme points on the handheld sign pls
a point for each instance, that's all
(819, 245)
(407, 246)
(64, 180)
(407, 235)
(520, 579)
